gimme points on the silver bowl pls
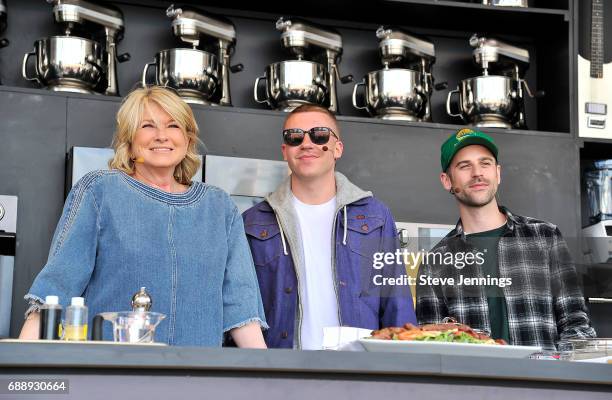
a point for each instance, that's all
(292, 83)
(66, 63)
(487, 101)
(193, 73)
(394, 93)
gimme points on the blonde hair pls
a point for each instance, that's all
(130, 116)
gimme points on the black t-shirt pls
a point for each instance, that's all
(487, 242)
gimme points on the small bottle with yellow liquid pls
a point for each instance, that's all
(75, 321)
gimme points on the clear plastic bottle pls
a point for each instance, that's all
(50, 319)
(75, 322)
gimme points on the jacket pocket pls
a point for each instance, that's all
(363, 234)
(265, 243)
(370, 304)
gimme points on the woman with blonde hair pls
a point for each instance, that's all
(145, 223)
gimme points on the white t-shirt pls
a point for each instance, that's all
(317, 291)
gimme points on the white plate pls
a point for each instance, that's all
(448, 348)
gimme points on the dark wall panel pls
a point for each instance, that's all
(32, 167)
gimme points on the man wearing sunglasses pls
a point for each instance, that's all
(313, 242)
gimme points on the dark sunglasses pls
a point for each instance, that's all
(318, 135)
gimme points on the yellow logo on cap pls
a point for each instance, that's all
(463, 132)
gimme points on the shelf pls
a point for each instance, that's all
(452, 15)
(584, 140)
(476, 6)
(273, 113)
(427, 14)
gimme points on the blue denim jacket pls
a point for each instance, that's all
(189, 250)
(363, 226)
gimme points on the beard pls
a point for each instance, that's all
(480, 199)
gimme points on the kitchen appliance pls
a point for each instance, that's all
(200, 74)
(136, 326)
(247, 180)
(597, 181)
(495, 99)
(598, 242)
(311, 77)
(505, 3)
(83, 59)
(402, 89)
(3, 18)
(8, 241)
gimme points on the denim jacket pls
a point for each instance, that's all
(188, 249)
(363, 225)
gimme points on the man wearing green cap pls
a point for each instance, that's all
(508, 275)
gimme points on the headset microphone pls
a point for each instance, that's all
(325, 148)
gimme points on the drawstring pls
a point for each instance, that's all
(280, 228)
(345, 230)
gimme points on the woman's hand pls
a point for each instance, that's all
(30, 329)
(249, 336)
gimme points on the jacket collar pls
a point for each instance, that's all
(346, 193)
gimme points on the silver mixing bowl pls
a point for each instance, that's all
(292, 83)
(394, 93)
(193, 73)
(487, 101)
(66, 63)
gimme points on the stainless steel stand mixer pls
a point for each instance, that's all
(200, 74)
(402, 89)
(496, 98)
(84, 59)
(311, 77)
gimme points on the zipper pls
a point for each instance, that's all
(297, 335)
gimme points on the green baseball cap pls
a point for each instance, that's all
(464, 137)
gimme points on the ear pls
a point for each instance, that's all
(338, 150)
(284, 151)
(446, 181)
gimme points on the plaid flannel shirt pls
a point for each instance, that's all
(545, 303)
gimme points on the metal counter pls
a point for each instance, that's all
(101, 371)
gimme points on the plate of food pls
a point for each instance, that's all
(446, 339)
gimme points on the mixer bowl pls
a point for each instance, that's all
(394, 93)
(193, 73)
(66, 63)
(292, 83)
(129, 326)
(487, 101)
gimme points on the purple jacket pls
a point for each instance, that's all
(363, 226)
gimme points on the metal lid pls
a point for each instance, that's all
(141, 300)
